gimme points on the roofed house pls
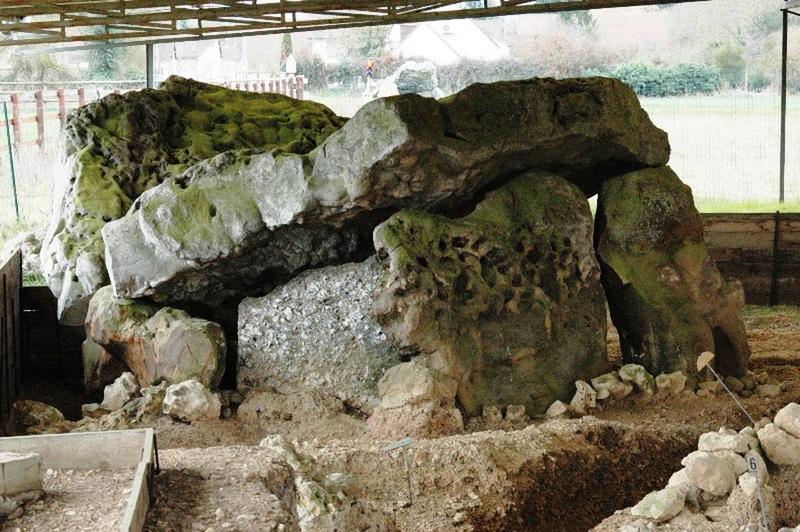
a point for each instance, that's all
(446, 42)
(214, 60)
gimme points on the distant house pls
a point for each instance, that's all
(213, 60)
(446, 42)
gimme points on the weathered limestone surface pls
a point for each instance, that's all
(100, 368)
(156, 343)
(122, 145)
(666, 295)
(244, 221)
(318, 329)
(503, 306)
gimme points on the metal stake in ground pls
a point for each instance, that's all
(11, 159)
(704, 361)
(403, 445)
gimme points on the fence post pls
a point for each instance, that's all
(17, 127)
(62, 107)
(81, 97)
(39, 118)
(11, 161)
(283, 86)
(301, 89)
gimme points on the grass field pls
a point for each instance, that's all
(726, 147)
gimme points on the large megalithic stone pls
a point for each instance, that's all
(666, 295)
(122, 145)
(503, 306)
(243, 222)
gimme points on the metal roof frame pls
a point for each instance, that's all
(129, 22)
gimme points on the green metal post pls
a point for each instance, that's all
(11, 159)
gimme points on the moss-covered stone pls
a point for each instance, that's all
(666, 295)
(503, 306)
(122, 145)
(242, 222)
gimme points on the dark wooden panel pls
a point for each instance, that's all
(743, 247)
(50, 346)
(10, 334)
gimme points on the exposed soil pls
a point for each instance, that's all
(77, 500)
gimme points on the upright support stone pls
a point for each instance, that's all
(666, 295)
(503, 306)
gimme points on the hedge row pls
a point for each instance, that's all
(646, 80)
(650, 80)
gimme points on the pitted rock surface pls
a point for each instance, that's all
(122, 145)
(318, 329)
(504, 306)
(246, 222)
(666, 295)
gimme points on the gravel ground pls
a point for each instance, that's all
(77, 501)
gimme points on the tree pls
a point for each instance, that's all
(582, 19)
(729, 60)
(286, 50)
(39, 68)
(366, 43)
(104, 62)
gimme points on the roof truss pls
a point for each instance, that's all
(152, 21)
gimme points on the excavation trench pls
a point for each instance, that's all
(560, 475)
(602, 468)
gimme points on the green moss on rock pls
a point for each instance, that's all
(505, 304)
(666, 295)
(122, 145)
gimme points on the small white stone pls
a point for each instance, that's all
(788, 419)
(781, 447)
(585, 398)
(671, 383)
(714, 441)
(710, 472)
(610, 385)
(119, 392)
(557, 409)
(492, 415)
(639, 377)
(191, 401)
(712, 387)
(768, 390)
(660, 505)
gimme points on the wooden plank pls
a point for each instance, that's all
(139, 499)
(10, 334)
(742, 245)
(119, 449)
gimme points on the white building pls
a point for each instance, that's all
(446, 42)
(217, 61)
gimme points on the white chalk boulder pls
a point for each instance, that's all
(191, 401)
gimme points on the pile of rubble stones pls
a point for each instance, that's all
(727, 480)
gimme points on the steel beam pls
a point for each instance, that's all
(158, 21)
